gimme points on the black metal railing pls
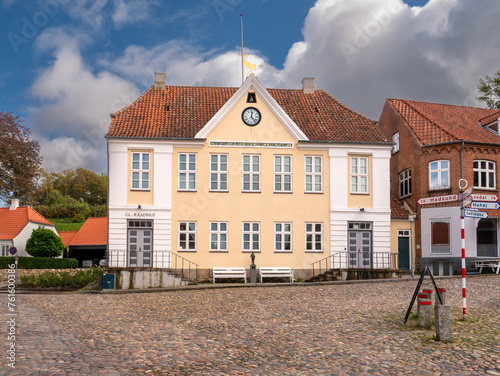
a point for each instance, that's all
(153, 259)
(356, 260)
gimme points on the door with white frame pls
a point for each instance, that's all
(140, 244)
(360, 245)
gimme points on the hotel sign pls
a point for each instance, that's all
(251, 144)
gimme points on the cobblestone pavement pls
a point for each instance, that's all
(348, 329)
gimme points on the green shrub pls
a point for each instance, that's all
(39, 263)
(63, 279)
(44, 243)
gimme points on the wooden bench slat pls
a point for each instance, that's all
(275, 272)
(219, 272)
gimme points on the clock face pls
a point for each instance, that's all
(251, 116)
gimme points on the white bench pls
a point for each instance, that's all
(229, 273)
(275, 272)
(493, 264)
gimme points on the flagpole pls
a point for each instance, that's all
(242, 68)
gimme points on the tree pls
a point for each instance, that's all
(19, 159)
(90, 187)
(44, 243)
(490, 90)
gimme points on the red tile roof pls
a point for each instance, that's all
(93, 232)
(67, 236)
(181, 112)
(12, 222)
(397, 210)
(434, 123)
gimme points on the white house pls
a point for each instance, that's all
(16, 225)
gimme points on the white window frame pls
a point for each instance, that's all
(251, 232)
(439, 171)
(395, 139)
(280, 175)
(312, 177)
(187, 232)
(357, 175)
(491, 175)
(219, 172)
(5, 250)
(442, 220)
(218, 236)
(253, 176)
(190, 174)
(280, 237)
(313, 232)
(143, 171)
(405, 179)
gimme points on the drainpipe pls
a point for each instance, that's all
(462, 161)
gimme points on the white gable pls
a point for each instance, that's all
(252, 83)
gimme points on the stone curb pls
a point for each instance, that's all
(209, 286)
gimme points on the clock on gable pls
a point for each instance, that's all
(251, 116)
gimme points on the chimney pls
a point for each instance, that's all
(160, 80)
(14, 204)
(308, 85)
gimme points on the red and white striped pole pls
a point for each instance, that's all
(464, 298)
(462, 184)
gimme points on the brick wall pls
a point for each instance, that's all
(412, 155)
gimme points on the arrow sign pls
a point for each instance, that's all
(467, 201)
(437, 199)
(481, 197)
(467, 192)
(475, 214)
(485, 205)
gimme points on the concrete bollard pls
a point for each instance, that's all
(428, 292)
(442, 294)
(419, 298)
(443, 323)
(425, 315)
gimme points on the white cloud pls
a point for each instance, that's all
(74, 109)
(364, 51)
(184, 65)
(90, 12)
(132, 11)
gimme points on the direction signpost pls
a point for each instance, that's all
(437, 199)
(485, 205)
(475, 214)
(481, 197)
(465, 198)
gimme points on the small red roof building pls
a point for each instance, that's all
(93, 232)
(16, 224)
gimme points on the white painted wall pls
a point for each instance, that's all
(118, 210)
(21, 239)
(453, 213)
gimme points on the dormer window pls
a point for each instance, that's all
(493, 126)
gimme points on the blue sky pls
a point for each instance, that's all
(67, 64)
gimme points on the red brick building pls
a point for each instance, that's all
(435, 146)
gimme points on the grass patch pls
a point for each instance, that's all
(66, 224)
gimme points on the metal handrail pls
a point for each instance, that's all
(159, 260)
(182, 266)
(355, 260)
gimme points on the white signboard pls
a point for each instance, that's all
(485, 205)
(437, 199)
(475, 214)
(481, 197)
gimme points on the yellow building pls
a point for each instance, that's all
(214, 174)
